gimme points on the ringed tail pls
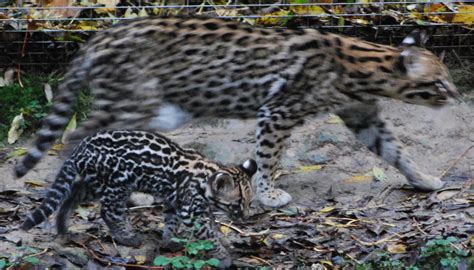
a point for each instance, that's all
(60, 189)
(53, 125)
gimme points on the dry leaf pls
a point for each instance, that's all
(9, 76)
(334, 119)
(326, 209)
(48, 92)
(309, 168)
(35, 183)
(277, 236)
(71, 126)
(225, 230)
(379, 174)
(15, 128)
(357, 178)
(397, 249)
(467, 17)
(140, 259)
(19, 151)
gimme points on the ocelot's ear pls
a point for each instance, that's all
(221, 183)
(415, 38)
(249, 167)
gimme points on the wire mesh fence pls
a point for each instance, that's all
(43, 35)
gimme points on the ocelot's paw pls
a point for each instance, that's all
(128, 239)
(426, 182)
(274, 198)
(225, 259)
(171, 245)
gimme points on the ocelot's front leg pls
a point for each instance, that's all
(207, 231)
(364, 122)
(273, 128)
(171, 229)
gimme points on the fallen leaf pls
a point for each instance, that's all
(467, 16)
(48, 92)
(15, 128)
(334, 119)
(57, 147)
(397, 249)
(9, 76)
(309, 168)
(19, 151)
(357, 178)
(35, 183)
(277, 236)
(326, 209)
(69, 128)
(379, 174)
(140, 259)
(82, 212)
(225, 230)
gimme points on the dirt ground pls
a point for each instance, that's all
(340, 213)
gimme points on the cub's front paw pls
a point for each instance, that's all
(129, 239)
(274, 198)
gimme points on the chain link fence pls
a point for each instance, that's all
(43, 35)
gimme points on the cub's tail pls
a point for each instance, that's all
(60, 190)
(54, 124)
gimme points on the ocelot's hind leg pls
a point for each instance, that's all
(113, 207)
(363, 120)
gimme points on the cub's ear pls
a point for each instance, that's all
(417, 37)
(249, 167)
(221, 183)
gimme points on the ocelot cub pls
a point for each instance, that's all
(159, 73)
(113, 164)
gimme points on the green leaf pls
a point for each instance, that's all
(180, 261)
(32, 260)
(207, 245)
(379, 174)
(452, 239)
(199, 264)
(161, 261)
(3, 263)
(213, 262)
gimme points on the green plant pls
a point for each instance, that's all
(194, 253)
(29, 98)
(441, 253)
(24, 255)
(438, 253)
(193, 256)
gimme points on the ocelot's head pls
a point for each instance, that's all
(415, 75)
(231, 189)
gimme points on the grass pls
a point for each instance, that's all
(29, 98)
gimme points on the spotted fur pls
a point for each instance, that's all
(158, 73)
(113, 164)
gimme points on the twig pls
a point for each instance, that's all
(261, 260)
(456, 161)
(242, 232)
(386, 239)
(141, 207)
(417, 225)
(36, 254)
(354, 259)
(459, 59)
(92, 253)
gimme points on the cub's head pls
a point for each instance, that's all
(231, 189)
(422, 77)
